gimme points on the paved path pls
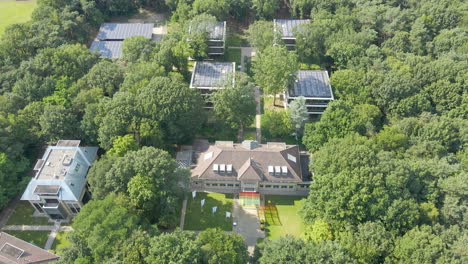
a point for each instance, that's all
(182, 215)
(258, 125)
(248, 225)
(36, 228)
(51, 238)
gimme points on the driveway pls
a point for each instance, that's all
(248, 225)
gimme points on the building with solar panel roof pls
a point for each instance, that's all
(208, 77)
(16, 251)
(287, 29)
(216, 35)
(59, 187)
(110, 37)
(315, 86)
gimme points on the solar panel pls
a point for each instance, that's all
(312, 84)
(212, 74)
(123, 31)
(108, 49)
(287, 26)
(11, 251)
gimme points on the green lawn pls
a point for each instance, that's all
(233, 55)
(198, 219)
(60, 242)
(38, 238)
(287, 220)
(12, 11)
(23, 216)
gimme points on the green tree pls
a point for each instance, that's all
(298, 114)
(265, 9)
(177, 247)
(318, 231)
(57, 123)
(104, 75)
(220, 247)
(350, 85)
(122, 145)
(102, 227)
(276, 124)
(217, 8)
(274, 69)
(137, 48)
(419, 245)
(235, 104)
(261, 35)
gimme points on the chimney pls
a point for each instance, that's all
(249, 144)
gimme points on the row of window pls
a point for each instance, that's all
(75, 208)
(277, 186)
(222, 185)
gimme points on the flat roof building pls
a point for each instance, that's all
(58, 189)
(109, 40)
(287, 29)
(16, 251)
(119, 32)
(207, 77)
(108, 49)
(216, 35)
(315, 86)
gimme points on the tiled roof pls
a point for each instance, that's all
(248, 163)
(286, 26)
(211, 74)
(123, 31)
(312, 83)
(108, 49)
(17, 251)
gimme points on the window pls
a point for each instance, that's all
(51, 201)
(292, 158)
(214, 184)
(261, 185)
(77, 167)
(208, 184)
(284, 187)
(222, 184)
(38, 207)
(275, 186)
(290, 187)
(237, 185)
(230, 185)
(268, 186)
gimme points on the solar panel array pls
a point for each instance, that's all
(123, 31)
(215, 30)
(11, 251)
(312, 84)
(286, 26)
(108, 49)
(212, 74)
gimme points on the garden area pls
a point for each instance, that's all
(38, 238)
(23, 216)
(60, 242)
(12, 11)
(281, 216)
(200, 218)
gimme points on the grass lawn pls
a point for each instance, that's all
(250, 134)
(196, 219)
(60, 242)
(38, 238)
(287, 220)
(233, 55)
(23, 216)
(12, 11)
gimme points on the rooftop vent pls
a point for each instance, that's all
(229, 168)
(249, 144)
(67, 160)
(222, 168)
(277, 170)
(271, 170)
(215, 168)
(208, 155)
(284, 170)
